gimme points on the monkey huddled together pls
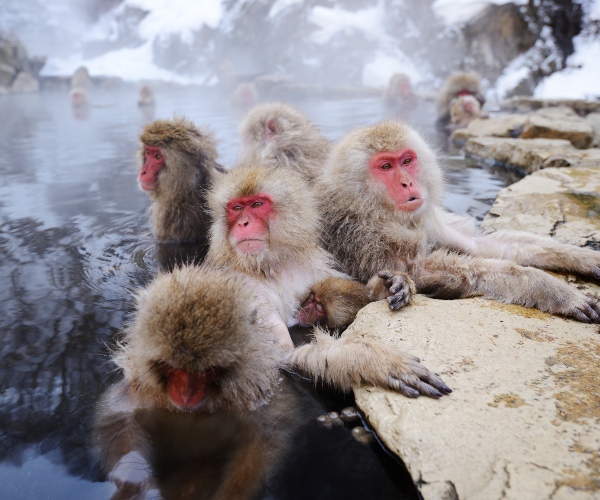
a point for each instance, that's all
(318, 231)
(304, 232)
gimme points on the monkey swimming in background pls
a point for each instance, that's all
(265, 227)
(277, 135)
(381, 200)
(457, 85)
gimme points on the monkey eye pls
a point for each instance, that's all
(158, 156)
(385, 166)
(407, 161)
(257, 204)
(237, 208)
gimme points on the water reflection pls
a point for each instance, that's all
(74, 243)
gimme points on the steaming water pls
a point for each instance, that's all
(74, 242)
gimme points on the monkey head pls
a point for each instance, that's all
(388, 162)
(263, 218)
(196, 343)
(174, 155)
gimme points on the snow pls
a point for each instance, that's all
(580, 79)
(280, 5)
(334, 20)
(377, 73)
(460, 11)
(168, 17)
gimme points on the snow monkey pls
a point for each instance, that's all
(146, 97)
(191, 413)
(381, 194)
(457, 84)
(463, 109)
(399, 92)
(265, 226)
(178, 164)
(276, 134)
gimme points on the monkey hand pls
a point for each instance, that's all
(399, 288)
(353, 360)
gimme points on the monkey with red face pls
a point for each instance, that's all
(265, 226)
(203, 406)
(399, 94)
(178, 164)
(463, 110)
(457, 85)
(381, 194)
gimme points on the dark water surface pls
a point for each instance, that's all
(74, 241)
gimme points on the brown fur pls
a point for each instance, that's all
(287, 273)
(456, 83)
(393, 95)
(276, 134)
(185, 319)
(178, 212)
(195, 319)
(460, 114)
(364, 231)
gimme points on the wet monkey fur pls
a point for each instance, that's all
(457, 84)
(265, 227)
(177, 166)
(277, 135)
(387, 214)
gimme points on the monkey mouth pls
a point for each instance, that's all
(147, 187)
(251, 245)
(187, 391)
(410, 205)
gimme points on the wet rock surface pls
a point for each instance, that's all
(528, 155)
(522, 421)
(559, 202)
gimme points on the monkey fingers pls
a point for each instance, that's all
(400, 288)
(588, 312)
(419, 381)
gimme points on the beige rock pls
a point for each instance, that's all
(523, 420)
(502, 126)
(524, 103)
(558, 202)
(529, 155)
(594, 120)
(559, 123)
(24, 83)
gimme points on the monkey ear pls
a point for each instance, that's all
(272, 128)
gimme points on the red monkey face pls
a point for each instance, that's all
(154, 161)
(248, 219)
(187, 390)
(398, 172)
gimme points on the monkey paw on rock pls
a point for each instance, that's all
(399, 288)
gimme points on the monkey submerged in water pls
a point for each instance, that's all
(277, 135)
(265, 227)
(203, 407)
(178, 165)
(458, 85)
(381, 195)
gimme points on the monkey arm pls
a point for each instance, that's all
(523, 248)
(352, 360)
(448, 275)
(397, 287)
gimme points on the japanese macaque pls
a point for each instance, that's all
(203, 407)
(146, 97)
(276, 134)
(381, 194)
(458, 84)
(265, 226)
(81, 79)
(178, 164)
(399, 92)
(463, 109)
(244, 96)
